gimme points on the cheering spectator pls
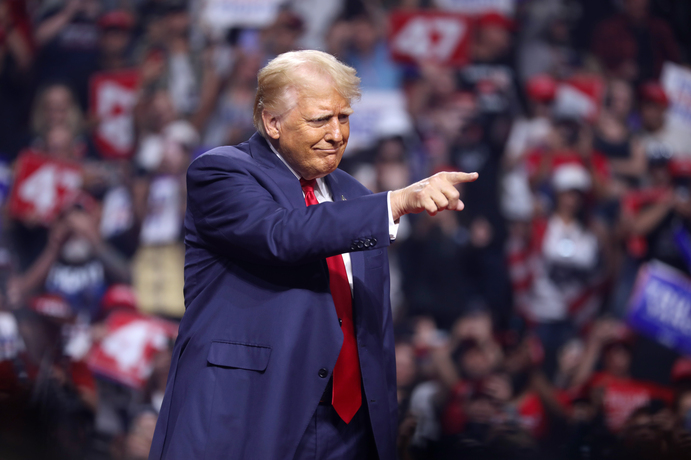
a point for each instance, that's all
(67, 35)
(633, 45)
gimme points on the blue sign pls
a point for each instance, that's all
(660, 306)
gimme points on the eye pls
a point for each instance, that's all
(321, 121)
(343, 118)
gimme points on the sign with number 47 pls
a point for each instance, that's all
(430, 36)
(43, 186)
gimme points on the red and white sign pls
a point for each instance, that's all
(42, 187)
(127, 352)
(430, 36)
(112, 100)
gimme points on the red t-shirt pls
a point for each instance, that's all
(622, 396)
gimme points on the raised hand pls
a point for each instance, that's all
(434, 194)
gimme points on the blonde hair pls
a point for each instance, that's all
(290, 72)
(39, 122)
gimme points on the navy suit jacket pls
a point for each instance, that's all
(260, 325)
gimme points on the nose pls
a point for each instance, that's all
(333, 131)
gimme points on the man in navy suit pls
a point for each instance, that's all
(286, 348)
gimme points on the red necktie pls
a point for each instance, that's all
(347, 396)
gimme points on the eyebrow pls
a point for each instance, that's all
(346, 111)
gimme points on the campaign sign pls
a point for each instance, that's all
(112, 99)
(126, 354)
(429, 36)
(660, 306)
(42, 187)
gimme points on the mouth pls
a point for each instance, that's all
(329, 151)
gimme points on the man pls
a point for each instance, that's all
(286, 348)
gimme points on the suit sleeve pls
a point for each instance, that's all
(235, 214)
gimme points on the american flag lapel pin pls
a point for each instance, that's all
(343, 198)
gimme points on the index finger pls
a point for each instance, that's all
(459, 177)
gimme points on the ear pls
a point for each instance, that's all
(272, 124)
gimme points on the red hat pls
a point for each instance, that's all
(494, 19)
(541, 88)
(654, 92)
(681, 369)
(119, 296)
(118, 19)
(52, 306)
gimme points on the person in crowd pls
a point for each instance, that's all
(613, 389)
(633, 45)
(67, 36)
(115, 40)
(527, 135)
(17, 57)
(614, 138)
(562, 290)
(77, 262)
(56, 107)
(369, 54)
(54, 396)
(657, 134)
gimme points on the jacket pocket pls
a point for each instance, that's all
(239, 355)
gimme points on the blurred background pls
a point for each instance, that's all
(549, 320)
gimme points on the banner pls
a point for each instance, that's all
(112, 99)
(429, 36)
(476, 7)
(224, 14)
(42, 187)
(676, 81)
(660, 306)
(127, 352)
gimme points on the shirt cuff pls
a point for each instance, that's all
(393, 226)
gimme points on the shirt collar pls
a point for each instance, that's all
(283, 160)
(320, 181)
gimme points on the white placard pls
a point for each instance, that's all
(378, 114)
(474, 7)
(223, 14)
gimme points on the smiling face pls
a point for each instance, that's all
(313, 134)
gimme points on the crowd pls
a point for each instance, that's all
(512, 340)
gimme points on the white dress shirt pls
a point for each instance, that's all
(322, 193)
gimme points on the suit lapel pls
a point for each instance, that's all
(282, 176)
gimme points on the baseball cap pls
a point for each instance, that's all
(653, 92)
(541, 88)
(571, 176)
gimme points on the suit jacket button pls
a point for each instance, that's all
(374, 241)
(360, 245)
(323, 373)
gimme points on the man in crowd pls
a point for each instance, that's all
(286, 348)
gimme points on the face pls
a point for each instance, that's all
(569, 202)
(617, 361)
(313, 134)
(114, 42)
(57, 105)
(653, 116)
